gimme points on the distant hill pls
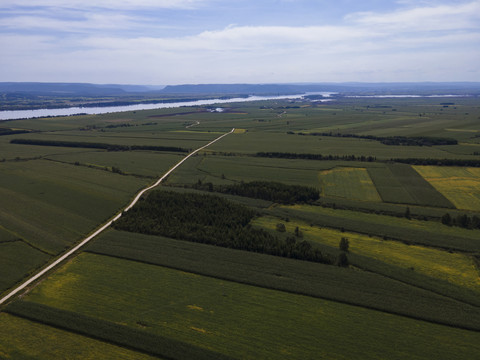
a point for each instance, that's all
(346, 88)
(73, 89)
(85, 89)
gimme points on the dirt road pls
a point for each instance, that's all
(70, 252)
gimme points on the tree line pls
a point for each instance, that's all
(392, 140)
(288, 155)
(464, 221)
(89, 145)
(439, 162)
(8, 131)
(210, 220)
(362, 158)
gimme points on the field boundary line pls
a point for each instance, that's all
(104, 226)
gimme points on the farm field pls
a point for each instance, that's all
(24, 339)
(409, 285)
(456, 268)
(424, 232)
(241, 320)
(459, 185)
(350, 183)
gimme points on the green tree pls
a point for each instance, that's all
(344, 244)
(407, 213)
(281, 227)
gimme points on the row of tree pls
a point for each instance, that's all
(393, 140)
(89, 145)
(211, 220)
(8, 131)
(288, 155)
(362, 158)
(464, 221)
(439, 162)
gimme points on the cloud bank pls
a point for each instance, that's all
(432, 42)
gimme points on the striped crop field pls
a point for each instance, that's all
(459, 185)
(455, 268)
(24, 339)
(238, 320)
(399, 183)
(348, 182)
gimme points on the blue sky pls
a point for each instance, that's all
(239, 41)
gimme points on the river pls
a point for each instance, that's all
(28, 114)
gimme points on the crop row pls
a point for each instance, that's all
(110, 332)
(409, 235)
(360, 288)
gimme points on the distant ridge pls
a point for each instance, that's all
(74, 89)
(348, 88)
(86, 89)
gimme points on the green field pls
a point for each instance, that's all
(401, 184)
(410, 289)
(350, 183)
(460, 185)
(48, 206)
(456, 268)
(22, 339)
(411, 231)
(241, 320)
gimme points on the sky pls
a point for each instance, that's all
(168, 42)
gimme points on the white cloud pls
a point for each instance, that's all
(434, 42)
(106, 4)
(428, 18)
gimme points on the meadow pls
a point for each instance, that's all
(409, 289)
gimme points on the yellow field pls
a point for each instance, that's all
(24, 339)
(458, 184)
(455, 268)
(350, 183)
(240, 131)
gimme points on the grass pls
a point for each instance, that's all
(350, 183)
(456, 268)
(459, 185)
(21, 339)
(239, 320)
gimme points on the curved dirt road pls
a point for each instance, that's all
(103, 227)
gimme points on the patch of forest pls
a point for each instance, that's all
(265, 190)
(89, 145)
(210, 220)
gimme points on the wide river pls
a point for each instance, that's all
(28, 114)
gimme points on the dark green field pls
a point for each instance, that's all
(173, 294)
